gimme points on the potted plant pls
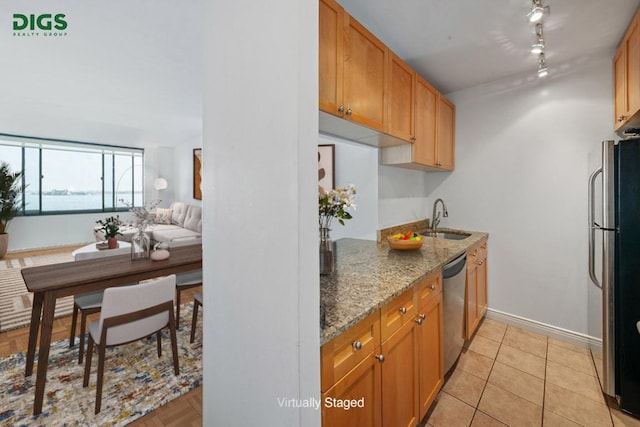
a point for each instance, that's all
(9, 201)
(111, 229)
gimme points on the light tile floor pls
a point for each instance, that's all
(508, 376)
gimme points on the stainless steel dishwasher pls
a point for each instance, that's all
(453, 286)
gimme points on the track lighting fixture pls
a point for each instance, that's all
(538, 46)
(537, 11)
(542, 66)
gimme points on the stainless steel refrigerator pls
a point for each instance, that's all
(614, 242)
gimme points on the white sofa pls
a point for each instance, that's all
(180, 221)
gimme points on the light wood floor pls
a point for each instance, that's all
(181, 412)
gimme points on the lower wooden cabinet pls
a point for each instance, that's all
(476, 298)
(361, 390)
(430, 352)
(400, 378)
(396, 381)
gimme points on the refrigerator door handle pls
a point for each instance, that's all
(592, 229)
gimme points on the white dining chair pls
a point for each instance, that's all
(91, 302)
(189, 279)
(131, 313)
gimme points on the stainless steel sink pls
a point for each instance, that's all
(446, 235)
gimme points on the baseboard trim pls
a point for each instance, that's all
(575, 338)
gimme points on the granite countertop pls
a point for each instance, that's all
(369, 274)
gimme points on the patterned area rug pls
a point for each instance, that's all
(136, 382)
(15, 300)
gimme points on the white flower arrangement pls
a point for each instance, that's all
(334, 204)
(144, 215)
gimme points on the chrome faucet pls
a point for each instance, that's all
(435, 219)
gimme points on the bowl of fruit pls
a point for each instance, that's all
(405, 241)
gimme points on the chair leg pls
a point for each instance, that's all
(178, 293)
(83, 328)
(101, 354)
(87, 366)
(174, 344)
(159, 341)
(74, 319)
(194, 320)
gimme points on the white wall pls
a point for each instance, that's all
(356, 164)
(261, 303)
(521, 172)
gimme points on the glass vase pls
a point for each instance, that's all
(327, 252)
(140, 245)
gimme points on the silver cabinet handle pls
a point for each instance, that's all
(379, 357)
(403, 310)
(621, 118)
(357, 345)
(433, 287)
(413, 139)
(341, 109)
(349, 112)
(419, 321)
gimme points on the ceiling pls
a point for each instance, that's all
(126, 73)
(458, 44)
(132, 72)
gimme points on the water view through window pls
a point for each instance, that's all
(66, 177)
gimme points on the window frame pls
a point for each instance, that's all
(104, 150)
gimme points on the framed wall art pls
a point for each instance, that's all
(326, 170)
(197, 173)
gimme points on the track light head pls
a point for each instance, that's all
(537, 11)
(543, 71)
(538, 46)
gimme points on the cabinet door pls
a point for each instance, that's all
(400, 114)
(363, 382)
(633, 69)
(364, 75)
(426, 106)
(481, 282)
(331, 58)
(620, 84)
(446, 134)
(399, 378)
(430, 352)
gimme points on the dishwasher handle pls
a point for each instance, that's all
(454, 267)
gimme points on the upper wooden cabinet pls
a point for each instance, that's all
(400, 105)
(445, 130)
(331, 56)
(433, 145)
(423, 149)
(365, 76)
(626, 66)
(352, 68)
(368, 94)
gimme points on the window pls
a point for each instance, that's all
(72, 177)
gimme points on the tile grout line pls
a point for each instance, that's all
(475, 411)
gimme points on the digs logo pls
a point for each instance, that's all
(31, 25)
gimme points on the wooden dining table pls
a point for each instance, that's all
(50, 282)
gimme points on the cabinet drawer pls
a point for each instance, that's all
(397, 312)
(428, 287)
(345, 351)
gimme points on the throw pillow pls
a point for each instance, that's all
(163, 216)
